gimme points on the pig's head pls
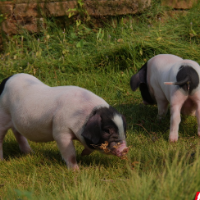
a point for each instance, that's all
(106, 129)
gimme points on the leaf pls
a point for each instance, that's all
(73, 35)
(24, 193)
(71, 12)
(80, 44)
(65, 51)
(120, 40)
(98, 34)
(193, 32)
(80, 3)
(159, 38)
(78, 22)
(38, 53)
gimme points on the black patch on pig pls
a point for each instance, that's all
(2, 85)
(100, 127)
(140, 80)
(187, 78)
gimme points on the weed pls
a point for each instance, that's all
(103, 60)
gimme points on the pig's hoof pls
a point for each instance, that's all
(145, 103)
(26, 150)
(173, 139)
(75, 168)
(86, 152)
(160, 117)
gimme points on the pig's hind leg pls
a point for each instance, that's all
(162, 103)
(198, 117)
(2, 135)
(175, 120)
(162, 108)
(176, 104)
(5, 124)
(22, 141)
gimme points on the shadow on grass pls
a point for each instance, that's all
(142, 119)
(11, 150)
(97, 159)
(49, 156)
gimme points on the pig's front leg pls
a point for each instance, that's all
(174, 123)
(86, 152)
(66, 147)
(198, 117)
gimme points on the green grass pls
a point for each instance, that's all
(103, 60)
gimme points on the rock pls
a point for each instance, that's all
(113, 8)
(36, 25)
(9, 26)
(59, 9)
(179, 4)
(29, 10)
(13, 27)
(6, 8)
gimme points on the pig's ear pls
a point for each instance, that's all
(92, 129)
(139, 78)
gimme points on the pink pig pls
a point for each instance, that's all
(41, 113)
(168, 79)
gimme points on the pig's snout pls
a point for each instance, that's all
(120, 150)
(119, 153)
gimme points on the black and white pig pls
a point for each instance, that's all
(41, 113)
(168, 79)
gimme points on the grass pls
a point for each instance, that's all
(103, 60)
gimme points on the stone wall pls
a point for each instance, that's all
(30, 15)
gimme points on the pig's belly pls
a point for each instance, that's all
(36, 132)
(35, 126)
(189, 107)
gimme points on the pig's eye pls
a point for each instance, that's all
(106, 130)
